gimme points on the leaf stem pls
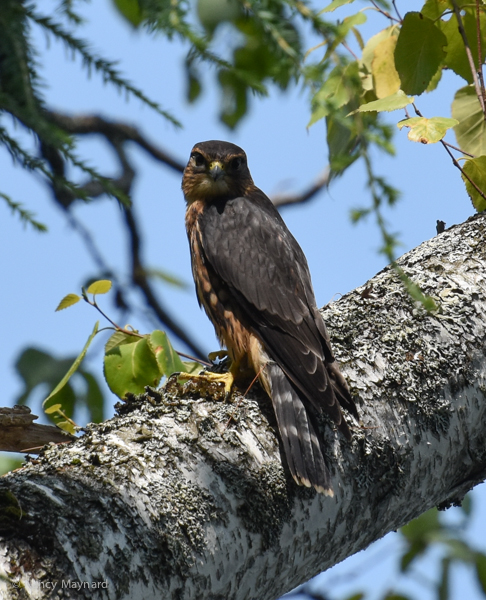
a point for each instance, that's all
(464, 174)
(396, 10)
(458, 149)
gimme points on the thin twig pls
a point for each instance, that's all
(349, 50)
(464, 174)
(470, 58)
(480, 53)
(459, 150)
(396, 10)
(384, 12)
(194, 359)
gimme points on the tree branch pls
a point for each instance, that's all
(167, 500)
(286, 200)
(19, 433)
(121, 132)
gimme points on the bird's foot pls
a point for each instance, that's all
(208, 377)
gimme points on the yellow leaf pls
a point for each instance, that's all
(99, 287)
(385, 76)
(427, 131)
(67, 301)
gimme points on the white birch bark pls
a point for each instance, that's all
(184, 496)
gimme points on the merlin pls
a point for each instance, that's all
(253, 281)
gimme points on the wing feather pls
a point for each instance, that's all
(249, 247)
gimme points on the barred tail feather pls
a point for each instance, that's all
(300, 441)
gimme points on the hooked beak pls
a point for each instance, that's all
(216, 170)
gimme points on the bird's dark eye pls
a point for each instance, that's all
(198, 159)
(236, 163)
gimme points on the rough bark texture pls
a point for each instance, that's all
(184, 496)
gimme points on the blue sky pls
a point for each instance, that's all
(38, 270)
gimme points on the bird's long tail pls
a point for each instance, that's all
(300, 441)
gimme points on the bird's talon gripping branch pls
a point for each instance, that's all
(208, 377)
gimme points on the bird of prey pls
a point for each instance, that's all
(253, 281)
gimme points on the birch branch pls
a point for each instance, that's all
(182, 495)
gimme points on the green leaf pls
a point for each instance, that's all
(341, 141)
(52, 409)
(7, 464)
(416, 293)
(194, 87)
(36, 367)
(471, 130)
(393, 102)
(94, 398)
(131, 365)
(459, 550)
(456, 57)
(73, 367)
(385, 77)
(25, 215)
(343, 29)
(433, 9)
(443, 587)
(167, 278)
(336, 91)
(475, 169)
(369, 53)
(466, 505)
(191, 367)
(211, 13)
(421, 527)
(335, 4)
(67, 301)
(427, 131)
(59, 416)
(101, 286)
(415, 550)
(434, 82)
(130, 10)
(167, 358)
(481, 570)
(419, 52)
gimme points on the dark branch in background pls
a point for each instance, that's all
(117, 134)
(309, 194)
(121, 132)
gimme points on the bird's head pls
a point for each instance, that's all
(216, 170)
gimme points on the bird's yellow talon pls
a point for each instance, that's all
(209, 377)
